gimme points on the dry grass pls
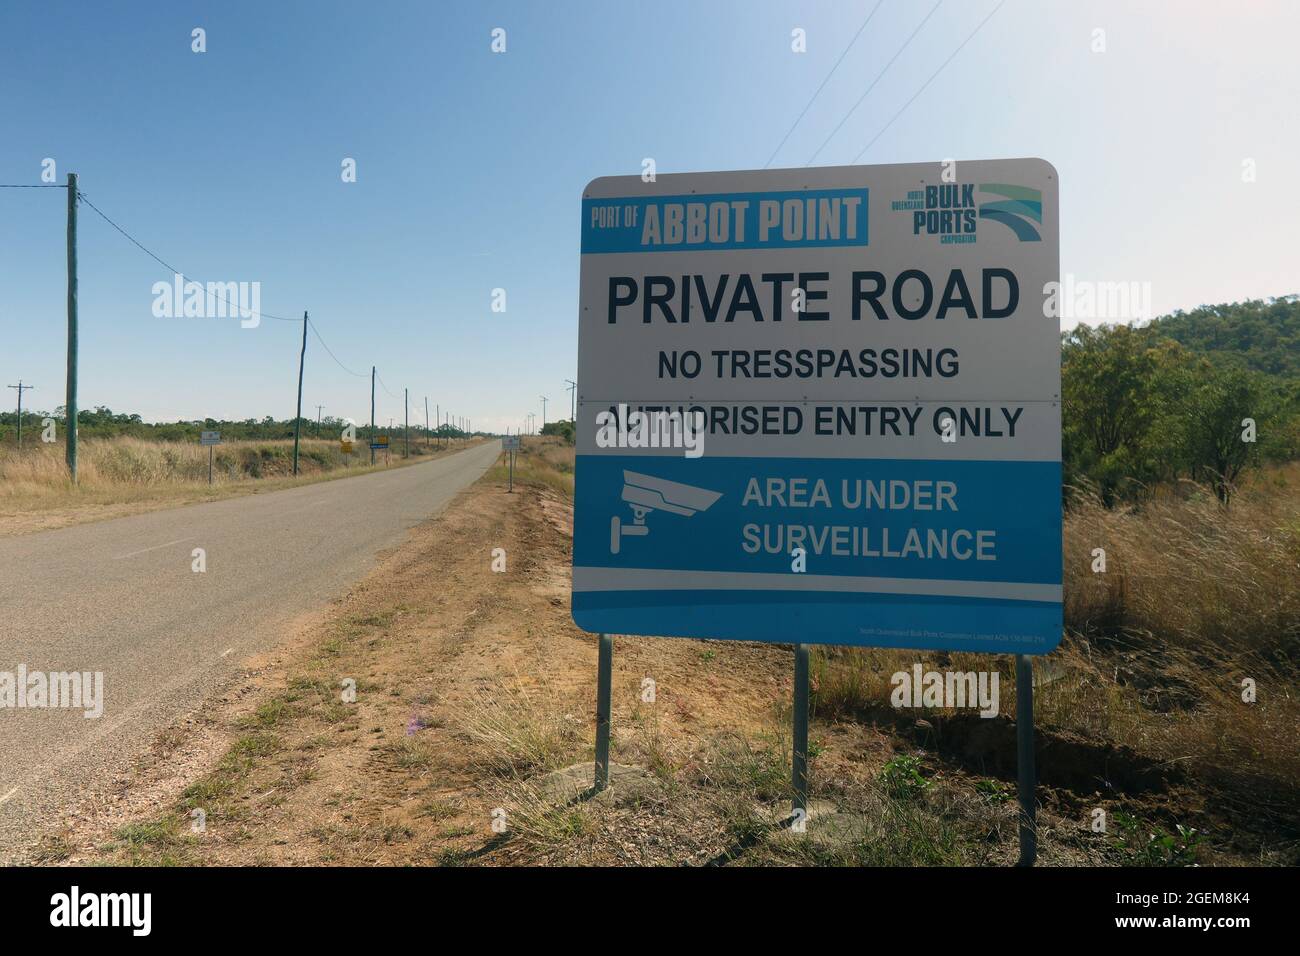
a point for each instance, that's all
(123, 474)
(1185, 571)
(514, 731)
(1195, 599)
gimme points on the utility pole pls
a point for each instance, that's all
(372, 414)
(406, 401)
(426, 423)
(544, 400)
(318, 409)
(21, 388)
(297, 422)
(573, 397)
(70, 403)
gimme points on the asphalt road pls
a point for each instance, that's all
(120, 597)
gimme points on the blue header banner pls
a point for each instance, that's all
(806, 218)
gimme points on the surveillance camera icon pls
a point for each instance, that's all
(646, 493)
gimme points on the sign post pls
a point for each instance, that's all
(211, 439)
(822, 406)
(799, 728)
(604, 683)
(510, 443)
(1025, 778)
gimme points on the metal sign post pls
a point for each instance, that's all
(1025, 772)
(510, 443)
(604, 681)
(863, 363)
(799, 724)
(211, 439)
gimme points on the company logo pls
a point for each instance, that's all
(1018, 205)
(953, 212)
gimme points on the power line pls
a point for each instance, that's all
(169, 267)
(823, 84)
(853, 109)
(383, 386)
(280, 318)
(977, 29)
(331, 354)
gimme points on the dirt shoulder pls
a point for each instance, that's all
(468, 681)
(474, 692)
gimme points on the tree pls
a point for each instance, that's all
(563, 428)
(1109, 404)
(1218, 441)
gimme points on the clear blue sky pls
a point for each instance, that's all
(471, 166)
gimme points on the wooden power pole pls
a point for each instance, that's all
(21, 388)
(297, 422)
(70, 403)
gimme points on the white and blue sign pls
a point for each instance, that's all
(822, 406)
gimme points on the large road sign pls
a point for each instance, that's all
(879, 382)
